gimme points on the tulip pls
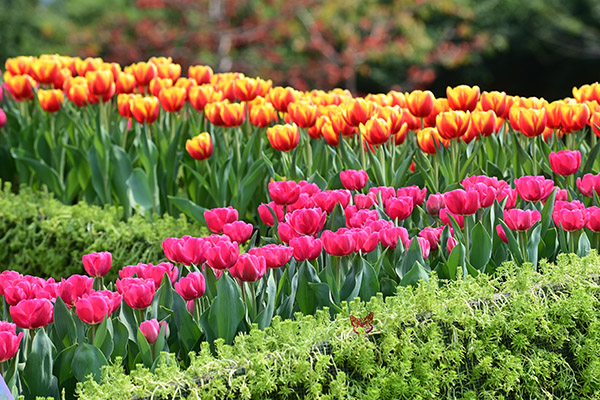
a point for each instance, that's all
(531, 122)
(304, 201)
(137, 293)
(191, 287)
(366, 240)
(275, 255)
(534, 188)
(97, 264)
(339, 244)
(265, 214)
(510, 195)
(3, 118)
(573, 117)
(283, 137)
(125, 83)
(20, 86)
(588, 184)
(238, 231)
(187, 250)
(484, 122)
(435, 202)
(360, 218)
(423, 244)
(232, 114)
(282, 97)
(216, 218)
(432, 235)
(80, 95)
(565, 162)
(200, 147)
(74, 288)
(113, 299)
(168, 70)
(399, 208)
(92, 308)
(32, 314)
(306, 248)
(263, 115)
(451, 244)
(359, 111)
(51, 100)
(101, 84)
(463, 97)
(132, 270)
(417, 194)
(571, 216)
(521, 220)
(9, 343)
(393, 116)
(439, 106)
(462, 202)
(376, 131)
(593, 219)
(487, 194)
(88, 64)
(501, 234)
(25, 288)
(495, 101)
(172, 99)
(327, 199)
(286, 232)
(246, 89)
(222, 255)
(144, 73)
(45, 70)
(309, 188)
(445, 215)
(388, 237)
(595, 123)
(284, 192)
(379, 225)
(200, 73)
(157, 272)
(249, 268)
(364, 201)
(145, 109)
(429, 138)
(353, 180)
(452, 124)
(420, 103)
(7, 278)
(307, 222)
(19, 65)
(385, 192)
(151, 329)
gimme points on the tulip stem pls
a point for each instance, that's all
(254, 304)
(362, 151)
(467, 239)
(382, 159)
(338, 275)
(2, 368)
(533, 152)
(237, 147)
(93, 332)
(308, 156)
(523, 245)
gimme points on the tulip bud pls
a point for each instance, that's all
(97, 264)
(306, 248)
(565, 162)
(151, 329)
(200, 147)
(249, 268)
(92, 308)
(222, 255)
(32, 314)
(283, 137)
(354, 180)
(191, 287)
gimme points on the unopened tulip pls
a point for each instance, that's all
(399, 208)
(451, 244)
(432, 235)
(463, 97)
(233, 114)
(593, 219)
(429, 139)
(521, 220)
(284, 192)
(97, 264)
(200, 73)
(534, 188)
(151, 329)
(283, 137)
(92, 308)
(238, 231)
(32, 314)
(420, 103)
(339, 244)
(74, 288)
(200, 96)
(249, 268)
(101, 84)
(125, 83)
(200, 147)
(353, 180)
(21, 87)
(265, 214)
(157, 272)
(172, 99)
(462, 202)
(137, 293)
(145, 110)
(51, 100)
(388, 237)
(495, 101)
(191, 287)
(327, 199)
(565, 162)
(306, 248)
(435, 202)
(452, 124)
(275, 255)
(222, 255)
(359, 111)
(281, 97)
(263, 115)
(3, 118)
(417, 194)
(216, 218)
(423, 244)
(307, 222)
(376, 131)
(9, 341)
(588, 184)
(364, 201)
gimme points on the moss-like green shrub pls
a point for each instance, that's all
(43, 237)
(522, 334)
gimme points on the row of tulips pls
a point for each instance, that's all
(146, 138)
(314, 248)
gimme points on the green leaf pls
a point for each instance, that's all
(481, 250)
(305, 297)
(534, 244)
(547, 213)
(351, 286)
(456, 259)
(337, 218)
(141, 193)
(64, 323)
(413, 255)
(227, 310)
(513, 244)
(369, 285)
(190, 209)
(121, 171)
(266, 315)
(416, 273)
(97, 175)
(120, 339)
(188, 331)
(584, 247)
(592, 157)
(88, 360)
(37, 374)
(62, 365)
(144, 348)
(46, 174)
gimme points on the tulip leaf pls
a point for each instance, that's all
(88, 360)
(188, 330)
(304, 296)
(190, 209)
(369, 285)
(388, 286)
(592, 157)
(128, 319)
(548, 245)
(416, 274)
(164, 298)
(534, 244)
(455, 259)
(377, 169)
(144, 348)
(266, 315)
(120, 339)
(513, 244)
(251, 182)
(323, 297)
(63, 323)
(348, 156)
(546, 213)
(46, 174)
(227, 309)
(98, 182)
(37, 374)
(121, 171)
(412, 256)
(337, 218)
(63, 370)
(401, 172)
(584, 247)
(481, 250)
(351, 286)
(141, 192)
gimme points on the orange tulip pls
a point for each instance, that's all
(201, 95)
(246, 89)
(484, 122)
(380, 99)
(213, 112)
(393, 116)
(19, 65)
(325, 127)
(263, 115)
(21, 86)
(45, 70)
(439, 106)
(429, 138)
(125, 83)
(171, 71)
(160, 60)
(495, 101)
(529, 102)
(340, 125)
(281, 97)
(587, 93)
(283, 137)
(89, 64)
(145, 109)
(463, 97)
(200, 147)
(358, 111)
(553, 114)
(376, 131)
(452, 124)
(574, 117)
(228, 89)
(531, 122)
(233, 114)
(420, 103)
(303, 113)
(124, 103)
(157, 84)
(397, 99)
(400, 135)
(64, 74)
(200, 73)
(595, 123)
(51, 100)
(80, 95)
(101, 84)
(143, 73)
(186, 83)
(172, 99)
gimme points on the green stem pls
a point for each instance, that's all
(93, 333)
(436, 173)
(140, 315)
(172, 121)
(467, 239)
(574, 241)
(237, 147)
(254, 303)
(382, 161)
(534, 155)
(523, 245)
(338, 274)
(308, 153)
(2, 368)
(363, 158)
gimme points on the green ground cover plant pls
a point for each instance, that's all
(522, 333)
(41, 236)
